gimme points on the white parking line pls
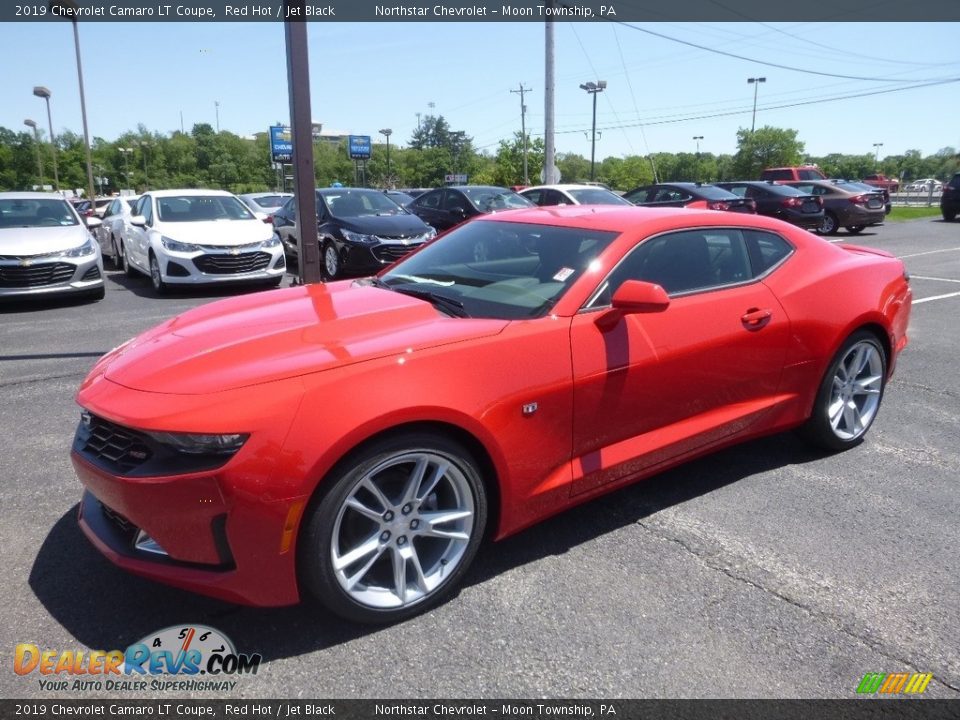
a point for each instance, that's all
(930, 252)
(925, 277)
(936, 297)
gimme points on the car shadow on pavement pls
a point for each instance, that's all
(105, 608)
(140, 285)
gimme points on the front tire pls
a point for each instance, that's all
(397, 529)
(156, 279)
(128, 269)
(331, 261)
(849, 395)
(115, 249)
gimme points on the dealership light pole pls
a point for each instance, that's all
(698, 138)
(756, 84)
(387, 132)
(216, 106)
(36, 136)
(42, 92)
(72, 7)
(594, 88)
(126, 162)
(876, 154)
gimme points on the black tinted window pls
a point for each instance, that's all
(777, 175)
(766, 250)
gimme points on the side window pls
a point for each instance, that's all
(139, 207)
(535, 196)
(740, 190)
(777, 175)
(669, 194)
(955, 182)
(640, 195)
(555, 197)
(454, 200)
(148, 209)
(431, 200)
(683, 262)
(766, 250)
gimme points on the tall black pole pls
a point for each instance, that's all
(593, 142)
(301, 133)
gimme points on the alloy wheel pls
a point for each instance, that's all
(402, 530)
(856, 390)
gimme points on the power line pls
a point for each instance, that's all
(762, 62)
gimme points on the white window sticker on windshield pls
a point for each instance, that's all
(66, 222)
(563, 274)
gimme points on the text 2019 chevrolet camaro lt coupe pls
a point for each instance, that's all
(354, 442)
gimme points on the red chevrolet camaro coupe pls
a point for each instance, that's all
(355, 442)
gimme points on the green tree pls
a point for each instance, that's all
(766, 147)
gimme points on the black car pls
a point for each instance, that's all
(780, 201)
(950, 199)
(681, 194)
(361, 231)
(445, 207)
(845, 204)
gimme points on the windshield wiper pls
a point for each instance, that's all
(451, 306)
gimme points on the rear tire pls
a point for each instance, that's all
(128, 269)
(855, 229)
(829, 225)
(850, 393)
(949, 215)
(117, 258)
(397, 529)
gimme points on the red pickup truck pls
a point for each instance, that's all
(882, 181)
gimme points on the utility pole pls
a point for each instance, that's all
(216, 105)
(755, 81)
(550, 148)
(523, 130)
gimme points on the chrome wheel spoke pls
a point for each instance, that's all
(399, 575)
(367, 512)
(867, 386)
(361, 573)
(444, 516)
(445, 534)
(835, 413)
(413, 483)
(371, 487)
(367, 547)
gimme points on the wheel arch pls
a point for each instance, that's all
(489, 474)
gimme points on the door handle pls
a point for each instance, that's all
(755, 318)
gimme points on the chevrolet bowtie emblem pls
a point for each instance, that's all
(26, 262)
(234, 251)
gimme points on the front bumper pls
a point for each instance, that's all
(54, 276)
(370, 259)
(211, 266)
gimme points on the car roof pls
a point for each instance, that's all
(189, 191)
(256, 195)
(564, 186)
(30, 195)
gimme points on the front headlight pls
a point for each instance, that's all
(198, 444)
(273, 242)
(354, 237)
(431, 232)
(177, 246)
(88, 248)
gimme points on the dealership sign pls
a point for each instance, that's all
(359, 146)
(281, 144)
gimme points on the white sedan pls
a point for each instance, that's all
(110, 234)
(924, 185)
(46, 248)
(569, 194)
(200, 237)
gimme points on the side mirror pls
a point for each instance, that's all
(636, 296)
(93, 222)
(138, 220)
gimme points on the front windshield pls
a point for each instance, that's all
(35, 213)
(489, 199)
(357, 203)
(201, 208)
(501, 270)
(596, 196)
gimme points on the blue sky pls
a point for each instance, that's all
(368, 76)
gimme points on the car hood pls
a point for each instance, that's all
(385, 225)
(217, 232)
(280, 334)
(41, 240)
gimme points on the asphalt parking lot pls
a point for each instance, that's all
(766, 570)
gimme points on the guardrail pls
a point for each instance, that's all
(926, 197)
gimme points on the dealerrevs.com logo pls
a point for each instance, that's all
(178, 658)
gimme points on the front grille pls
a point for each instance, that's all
(391, 253)
(223, 264)
(119, 448)
(35, 275)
